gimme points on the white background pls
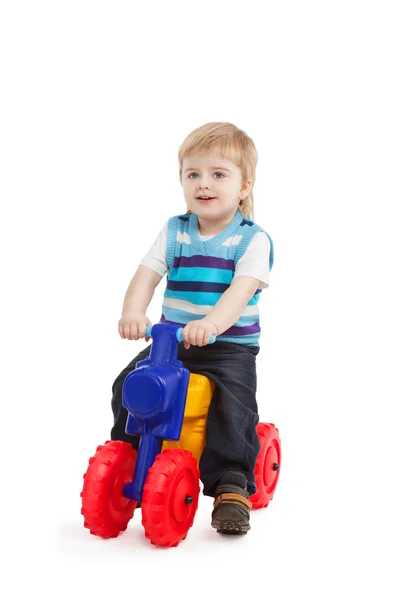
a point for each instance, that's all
(96, 99)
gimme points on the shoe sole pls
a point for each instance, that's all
(230, 527)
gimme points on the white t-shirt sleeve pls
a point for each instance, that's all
(155, 258)
(255, 261)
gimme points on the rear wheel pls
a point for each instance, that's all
(170, 497)
(105, 509)
(268, 464)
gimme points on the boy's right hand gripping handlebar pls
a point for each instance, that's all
(179, 337)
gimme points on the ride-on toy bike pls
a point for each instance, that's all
(168, 408)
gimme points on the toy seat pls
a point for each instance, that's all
(193, 435)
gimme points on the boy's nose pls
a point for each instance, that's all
(202, 185)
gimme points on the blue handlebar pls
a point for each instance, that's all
(179, 337)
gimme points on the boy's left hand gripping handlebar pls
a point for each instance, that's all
(179, 337)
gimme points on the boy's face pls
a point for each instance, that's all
(208, 174)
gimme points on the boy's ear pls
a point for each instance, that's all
(246, 187)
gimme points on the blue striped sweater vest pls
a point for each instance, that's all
(200, 272)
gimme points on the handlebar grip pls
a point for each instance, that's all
(179, 337)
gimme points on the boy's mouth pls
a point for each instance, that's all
(205, 199)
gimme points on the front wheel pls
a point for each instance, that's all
(268, 464)
(105, 509)
(170, 497)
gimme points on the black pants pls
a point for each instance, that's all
(231, 438)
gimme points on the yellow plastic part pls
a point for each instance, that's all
(193, 435)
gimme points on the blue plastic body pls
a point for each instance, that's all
(154, 395)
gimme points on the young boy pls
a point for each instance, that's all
(217, 261)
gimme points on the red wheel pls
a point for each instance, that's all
(105, 509)
(170, 497)
(267, 466)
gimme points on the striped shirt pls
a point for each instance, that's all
(200, 272)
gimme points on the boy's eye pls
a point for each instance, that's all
(216, 173)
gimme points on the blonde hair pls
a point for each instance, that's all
(235, 145)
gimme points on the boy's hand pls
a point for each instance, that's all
(132, 326)
(198, 333)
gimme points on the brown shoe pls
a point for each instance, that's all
(231, 512)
